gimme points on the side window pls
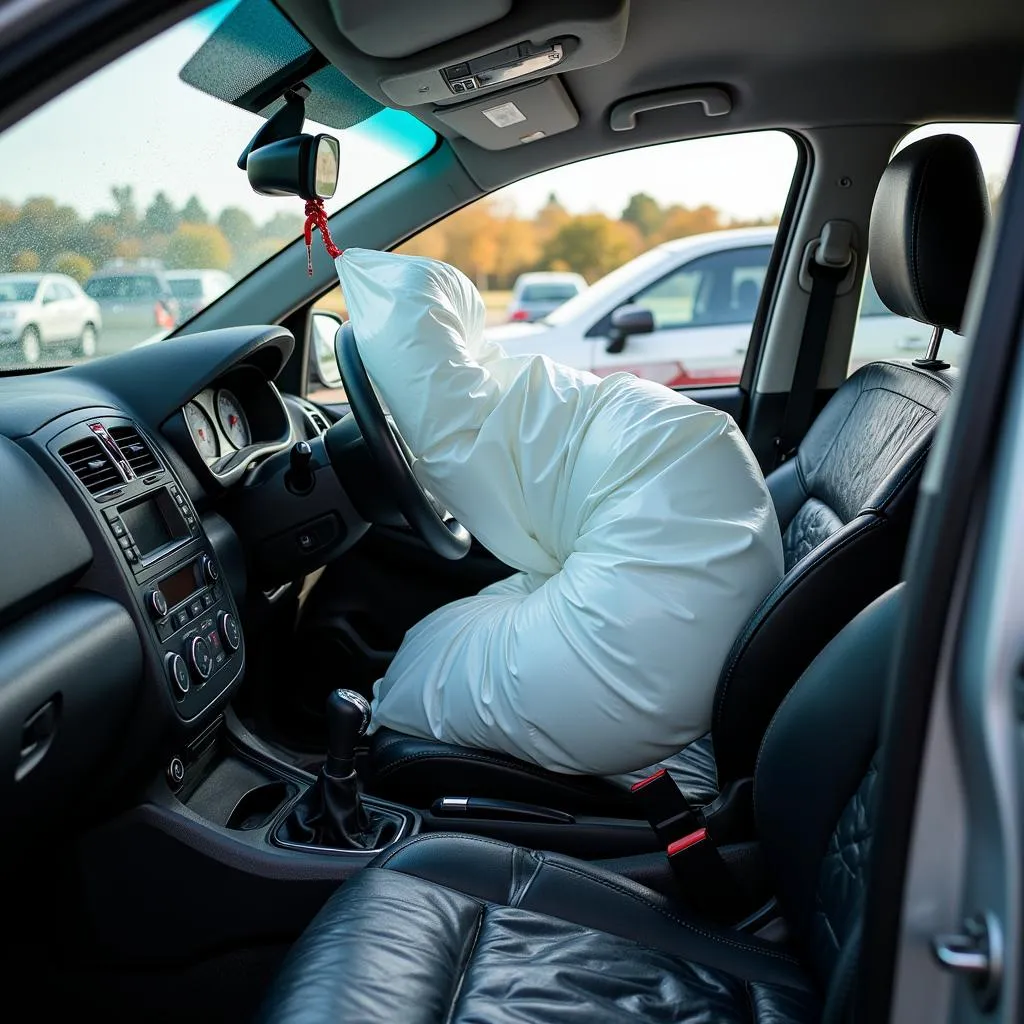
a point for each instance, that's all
(715, 290)
(63, 291)
(683, 228)
(49, 294)
(879, 333)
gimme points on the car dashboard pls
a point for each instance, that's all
(120, 631)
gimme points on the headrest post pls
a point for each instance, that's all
(931, 360)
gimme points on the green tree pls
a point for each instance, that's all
(591, 245)
(74, 264)
(643, 211)
(284, 226)
(238, 228)
(195, 246)
(25, 261)
(193, 212)
(125, 212)
(161, 217)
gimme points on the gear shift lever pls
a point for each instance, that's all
(348, 718)
(332, 814)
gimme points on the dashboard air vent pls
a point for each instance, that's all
(135, 450)
(91, 464)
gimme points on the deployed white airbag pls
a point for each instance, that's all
(639, 521)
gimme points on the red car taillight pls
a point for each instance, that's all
(163, 316)
(519, 314)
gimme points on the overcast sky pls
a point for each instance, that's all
(136, 123)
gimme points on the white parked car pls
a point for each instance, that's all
(196, 289)
(40, 311)
(691, 307)
(541, 292)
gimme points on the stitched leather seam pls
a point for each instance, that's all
(919, 372)
(898, 484)
(804, 575)
(521, 894)
(784, 957)
(710, 936)
(467, 958)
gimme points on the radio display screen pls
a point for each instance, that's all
(180, 585)
(154, 523)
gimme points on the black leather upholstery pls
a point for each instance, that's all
(851, 490)
(460, 928)
(844, 504)
(929, 213)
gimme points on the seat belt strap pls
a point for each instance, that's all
(825, 281)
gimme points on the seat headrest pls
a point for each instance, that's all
(929, 213)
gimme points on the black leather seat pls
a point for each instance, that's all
(844, 503)
(460, 928)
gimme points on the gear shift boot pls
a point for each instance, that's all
(332, 814)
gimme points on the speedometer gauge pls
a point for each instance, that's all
(232, 419)
(203, 431)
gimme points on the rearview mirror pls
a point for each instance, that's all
(302, 165)
(627, 320)
(325, 364)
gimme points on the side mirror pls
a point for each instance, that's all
(627, 320)
(323, 328)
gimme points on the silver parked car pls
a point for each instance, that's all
(196, 289)
(40, 311)
(136, 300)
(541, 292)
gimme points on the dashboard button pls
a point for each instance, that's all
(210, 571)
(230, 631)
(110, 514)
(131, 556)
(176, 772)
(200, 656)
(179, 618)
(208, 601)
(117, 528)
(164, 628)
(125, 542)
(195, 608)
(177, 670)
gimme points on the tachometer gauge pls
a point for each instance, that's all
(232, 419)
(203, 431)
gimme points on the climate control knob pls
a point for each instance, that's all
(156, 604)
(177, 671)
(210, 571)
(229, 631)
(200, 657)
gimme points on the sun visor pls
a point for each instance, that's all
(514, 118)
(371, 27)
(254, 54)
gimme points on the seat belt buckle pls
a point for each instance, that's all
(703, 878)
(667, 811)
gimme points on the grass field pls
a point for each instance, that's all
(496, 303)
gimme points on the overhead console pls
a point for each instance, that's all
(449, 57)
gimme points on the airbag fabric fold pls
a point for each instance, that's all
(639, 522)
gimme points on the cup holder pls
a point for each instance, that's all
(257, 807)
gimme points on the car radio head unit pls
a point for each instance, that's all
(154, 523)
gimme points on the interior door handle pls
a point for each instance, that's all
(977, 954)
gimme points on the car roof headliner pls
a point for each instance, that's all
(790, 63)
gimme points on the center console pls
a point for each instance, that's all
(168, 565)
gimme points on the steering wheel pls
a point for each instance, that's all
(439, 530)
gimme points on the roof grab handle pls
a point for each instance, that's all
(714, 99)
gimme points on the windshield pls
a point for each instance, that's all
(605, 286)
(17, 291)
(132, 174)
(548, 292)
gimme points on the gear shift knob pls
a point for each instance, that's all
(348, 717)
